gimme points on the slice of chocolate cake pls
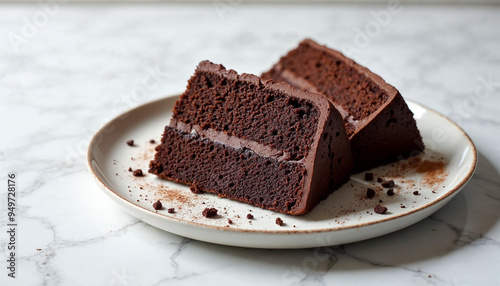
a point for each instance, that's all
(379, 123)
(261, 143)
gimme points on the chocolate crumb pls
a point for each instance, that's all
(279, 221)
(171, 210)
(130, 169)
(380, 209)
(229, 221)
(368, 176)
(152, 141)
(380, 180)
(138, 173)
(38, 249)
(403, 207)
(416, 193)
(249, 216)
(209, 212)
(370, 193)
(157, 205)
(130, 142)
(388, 184)
(390, 192)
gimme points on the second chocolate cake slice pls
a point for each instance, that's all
(378, 121)
(261, 143)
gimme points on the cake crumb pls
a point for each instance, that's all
(380, 209)
(130, 142)
(388, 184)
(138, 173)
(390, 192)
(249, 216)
(370, 193)
(279, 221)
(368, 176)
(171, 210)
(157, 205)
(209, 212)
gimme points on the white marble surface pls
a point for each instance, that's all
(81, 65)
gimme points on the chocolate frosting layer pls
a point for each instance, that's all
(233, 141)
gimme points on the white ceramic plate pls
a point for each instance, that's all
(345, 216)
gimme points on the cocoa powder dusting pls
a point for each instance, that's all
(435, 172)
(432, 170)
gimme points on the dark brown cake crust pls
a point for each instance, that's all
(261, 143)
(378, 121)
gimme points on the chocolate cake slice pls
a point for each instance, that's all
(379, 124)
(261, 143)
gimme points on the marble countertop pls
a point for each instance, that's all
(66, 70)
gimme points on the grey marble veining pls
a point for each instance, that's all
(79, 66)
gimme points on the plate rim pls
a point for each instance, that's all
(173, 219)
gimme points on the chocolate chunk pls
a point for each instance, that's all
(390, 192)
(416, 193)
(370, 193)
(380, 180)
(368, 176)
(138, 173)
(380, 209)
(279, 221)
(388, 184)
(171, 210)
(209, 212)
(130, 142)
(249, 216)
(152, 141)
(157, 205)
(229, 221)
